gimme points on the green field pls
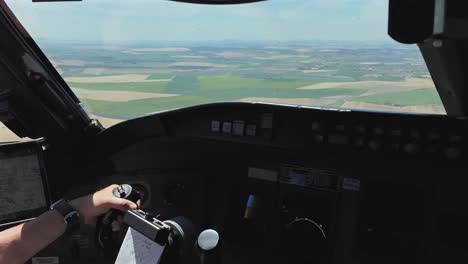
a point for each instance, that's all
(144, 106)
(150, 87)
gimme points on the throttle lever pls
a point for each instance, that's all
(104, 227)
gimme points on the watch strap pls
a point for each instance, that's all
(70, 215)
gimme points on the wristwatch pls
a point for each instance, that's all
(70, 215)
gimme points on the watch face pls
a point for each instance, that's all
(72, 219)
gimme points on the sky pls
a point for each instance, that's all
(117, 21)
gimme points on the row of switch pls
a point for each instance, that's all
(376, 140)
(236, 128)
(416, 134)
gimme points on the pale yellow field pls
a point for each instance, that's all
(291, 101)
(6, 135)
(230, 54)
(428, 109)
(117, 96)
(98, 71)
(304, 50)
(329, 50)
(68, 62)
(198, 64)
(124, 78)
(280, 57)
(160, 49)
(316, 71)
(407, 85)
(189, 56)
(108, 122)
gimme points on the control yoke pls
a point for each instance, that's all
(175, 234)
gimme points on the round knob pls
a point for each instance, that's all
(208, 239)
(126, 191)
(180, 241)
(412, 148)
(375, 144)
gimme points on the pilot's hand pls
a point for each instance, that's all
(91, 206)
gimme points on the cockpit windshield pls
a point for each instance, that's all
(125, 59)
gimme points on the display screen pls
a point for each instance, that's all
(22, 183)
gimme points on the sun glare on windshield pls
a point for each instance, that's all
(130, 58)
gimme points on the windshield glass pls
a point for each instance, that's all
(125, 59)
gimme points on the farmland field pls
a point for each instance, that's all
(124, 82)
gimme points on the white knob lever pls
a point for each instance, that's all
(208, 239)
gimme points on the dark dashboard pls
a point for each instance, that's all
(287, 184)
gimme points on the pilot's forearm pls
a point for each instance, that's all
(20, 243)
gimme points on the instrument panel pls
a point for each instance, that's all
(381, 133)
(294, 184)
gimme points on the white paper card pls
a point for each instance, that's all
(45, 260)
(138, 249)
